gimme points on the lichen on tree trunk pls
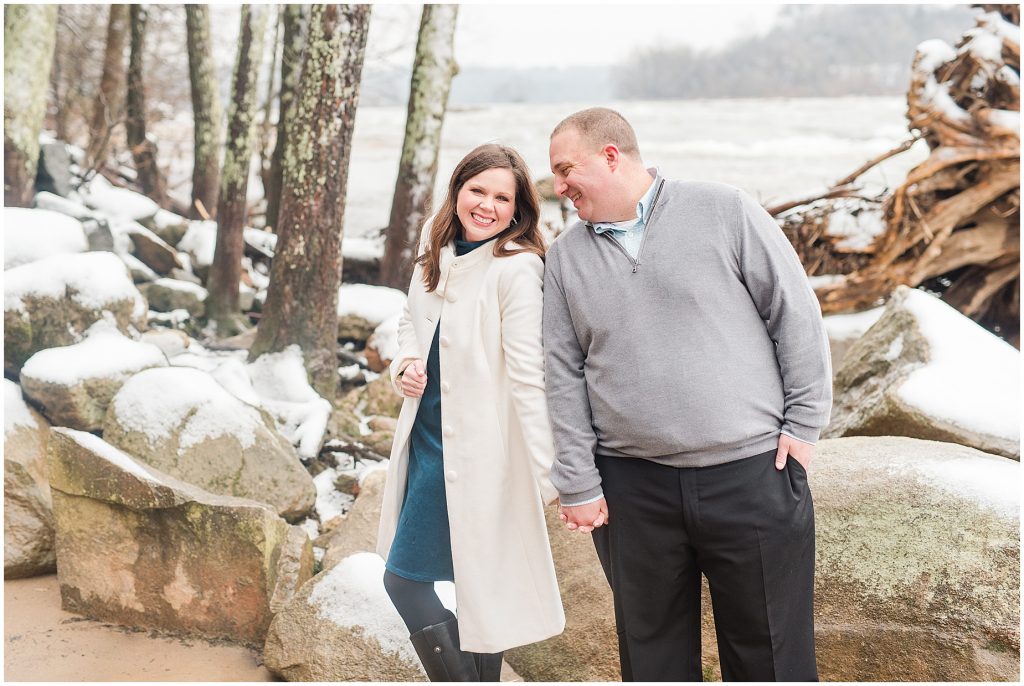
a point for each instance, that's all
(207, 112)
(432, 75)
(222, 305)
(30, 32)
(302, 300)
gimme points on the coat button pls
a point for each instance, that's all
(448, 431)
(445, 386)
(443, 341)
(450, 475)
(450, 297)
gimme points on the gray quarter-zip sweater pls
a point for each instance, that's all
(700, 351)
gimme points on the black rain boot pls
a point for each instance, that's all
(438, 648)
(488, 666)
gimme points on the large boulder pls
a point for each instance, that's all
(926, 371)
(141, 548)
(182, 422)
(32, 234)
(153, 251)
(341, 626)
(95, 225)
(917, 572)
(28, 509)
(52, 302)
(167, 295)
(846, 329)
(73, 385)
(357, 531)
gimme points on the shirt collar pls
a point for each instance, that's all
(643, 210)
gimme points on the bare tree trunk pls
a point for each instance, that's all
(432, 75)
(266, 152)
(207, 113)
(222, 307)
(151, 181)
(302, 301)
(109, 106)
(29, 36)
(291, 65)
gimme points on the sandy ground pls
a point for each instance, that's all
(44, 643)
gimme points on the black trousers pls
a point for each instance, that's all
(749, 528)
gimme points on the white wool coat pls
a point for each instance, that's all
(496, 438)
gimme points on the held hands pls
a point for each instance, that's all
(584, 518)
(414, 379)
(801, 452)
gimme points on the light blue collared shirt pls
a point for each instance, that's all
(630, 233)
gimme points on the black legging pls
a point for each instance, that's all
(416, 602)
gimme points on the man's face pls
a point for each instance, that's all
(582, 175)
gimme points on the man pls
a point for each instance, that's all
(688, 377)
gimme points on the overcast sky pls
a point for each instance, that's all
(535, 35)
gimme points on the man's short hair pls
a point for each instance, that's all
(600, 126)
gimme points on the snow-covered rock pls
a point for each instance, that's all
(73, 385)
(28, 509)
(341, 626)
(917, 575)
(31, 234)
(382, 346)
(184, 423)
(362, 308)
(139, 271)
(843, 331)
(357, 532)
(200, 242)
(170, 341)
(167, 295)
(168, 225)
(142, 548)
(926, 371)
(100, 194)
(52, 302)
(154, 251)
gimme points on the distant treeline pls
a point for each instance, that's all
(811, 51)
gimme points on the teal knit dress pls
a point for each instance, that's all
(421, 549)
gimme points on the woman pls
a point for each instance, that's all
(468, 478)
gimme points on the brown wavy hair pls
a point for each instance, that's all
(525, 229)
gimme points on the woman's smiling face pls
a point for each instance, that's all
(486, 203)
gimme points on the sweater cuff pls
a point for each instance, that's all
(575, 499)
(807, 434)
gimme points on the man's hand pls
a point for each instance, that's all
(584, 518)
(414, 379)
(801, 452)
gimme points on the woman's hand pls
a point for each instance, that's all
(414, 379)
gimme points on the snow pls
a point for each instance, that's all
(994, 22)
(183, 286)
(31, 234)
(372, 303)
(985, 45)
(280, 381)
(858, 231)
(825, 280)
(118, 458)
(311, 527)
(385, 337)
(105, 352)
(1007, 119)
(16, 412)
(136, 265)
(846, 327)
(351, 595)
(94, 280)
(164, 218)
(157, 402)
(972, 377)
(200, 241)
(990, 481)
(933, 54)
(330, 502)
(366, 249)
(100, 194)
(265, 240)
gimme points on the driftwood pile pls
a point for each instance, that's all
(954, 225)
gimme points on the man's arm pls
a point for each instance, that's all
(574, 473)
(786, 302)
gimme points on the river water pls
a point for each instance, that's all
(773, 148)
